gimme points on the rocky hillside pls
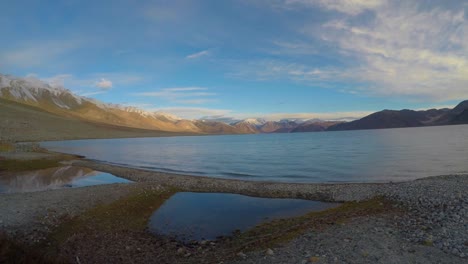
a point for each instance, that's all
(317, 126)
(62, 102)
(408, 118)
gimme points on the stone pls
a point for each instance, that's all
(241, 254)
(314, 259)
(270, 252)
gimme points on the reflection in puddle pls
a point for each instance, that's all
(197, 216)
(54, 178)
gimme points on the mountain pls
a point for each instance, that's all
(461, 118)
(212, 127)
(259, 125)
(249, 125)
(62, 102)
(314, 126)
(282, 126)
(21, 122)
(407, 118)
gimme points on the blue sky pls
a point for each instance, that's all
(245, 58)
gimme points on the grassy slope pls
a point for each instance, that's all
(19, 122)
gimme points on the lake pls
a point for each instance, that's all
(343, 156)
(189, 216)
(54, 178)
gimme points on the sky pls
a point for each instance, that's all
(273, 59)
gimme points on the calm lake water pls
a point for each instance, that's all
(343, 156)
(54, 178)
(191, 216)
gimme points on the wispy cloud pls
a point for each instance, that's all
(225, 115)
(87, 85)
(198, 55)
(193, 112)
(324, 116)
(37, 53)
(409, 49)
(408, 52)
(92, 93)
(352, 7)
(182, 95)
(263, 70)
(104, 84)
(57, 80)
(288, 47)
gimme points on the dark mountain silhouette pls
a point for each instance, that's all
(408, 118)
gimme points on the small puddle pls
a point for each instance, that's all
(54, 178)
(189, 216)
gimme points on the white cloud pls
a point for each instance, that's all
(411, 49)
(58, 80)
(35, 54)
(352, 7)
(104, 84)
(323, 116)
(193, 112)
(292, 48)
(406, 51)
(198, 55)
(87, 85)
(266, 70)
(92, 93)
(183, 95)
(226, 115)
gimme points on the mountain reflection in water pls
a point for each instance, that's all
(54, 178)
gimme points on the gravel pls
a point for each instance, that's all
(434, 228)
(436, 222)
(30, 216)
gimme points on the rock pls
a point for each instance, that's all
(270, 252)
(180, 250)
(314, 259)
(241, 254)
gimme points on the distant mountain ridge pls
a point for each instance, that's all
(254, 126)
(62, 102)
(408, 118)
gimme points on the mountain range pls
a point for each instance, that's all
(61, 102)
(408, 118)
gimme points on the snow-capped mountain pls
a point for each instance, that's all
(254, 121)
(34, 91)
(60, 101)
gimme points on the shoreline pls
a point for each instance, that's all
(425, 218)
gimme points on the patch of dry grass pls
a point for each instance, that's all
(6, 146)
(279, 231)
(129, 213)
(14, 252)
